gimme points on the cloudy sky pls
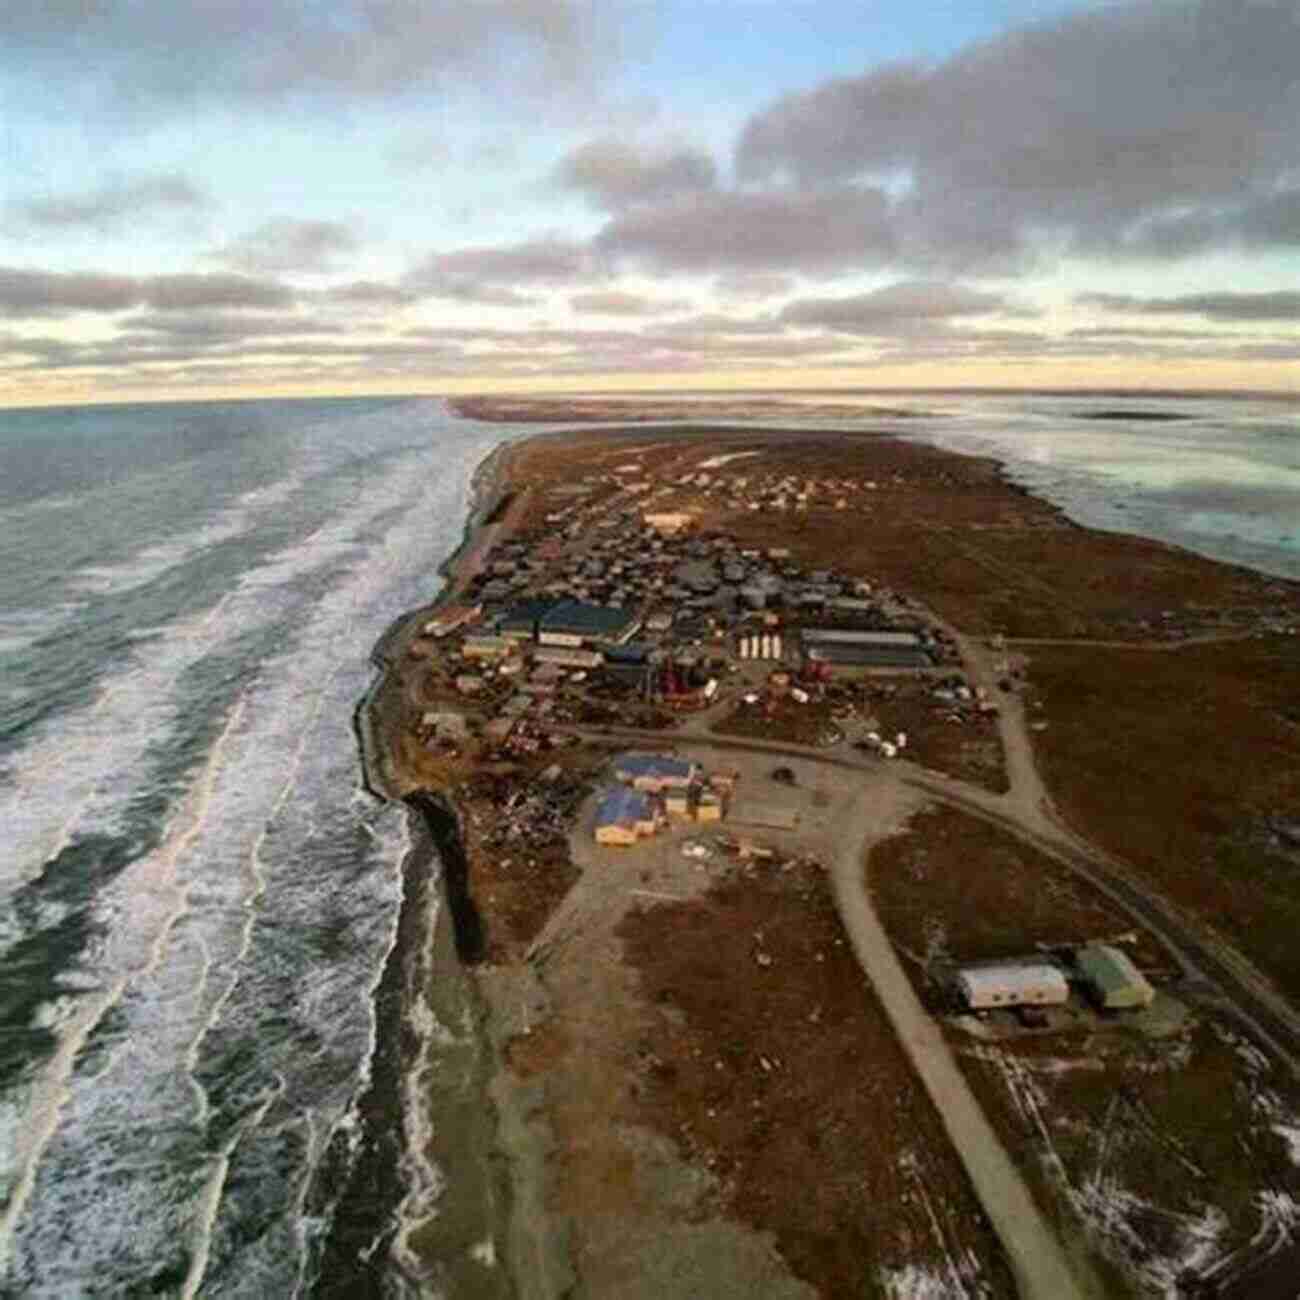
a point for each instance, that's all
(211, 197)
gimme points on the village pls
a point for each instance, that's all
(742, 740)
(621, 611)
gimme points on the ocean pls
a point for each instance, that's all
(200, 901)
(198, 896)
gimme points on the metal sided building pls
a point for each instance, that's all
(654, 772)
(842, 648)
(520, 621)
(623, 816)
(573, 622)
(1112, 978)
(1036, 984)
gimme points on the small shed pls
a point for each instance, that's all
(1113, 980)
(1032, 984)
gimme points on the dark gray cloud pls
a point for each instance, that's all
(238, 50)
(896, 308)
(847, 226)
(536, 261)
(51, 293)
(370, 295)
(493, 276)
(1158, 128)
(112, 203)
(1283, 304)
(614, 175)
(286, 245)
(212, 328)
(189, 292)
(714, 323)
(31, 293)
(613, 302)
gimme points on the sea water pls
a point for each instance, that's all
(197, 898)
(1217, 475)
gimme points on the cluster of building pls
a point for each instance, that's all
(628, 600)
(1107, 974)
(651, 789)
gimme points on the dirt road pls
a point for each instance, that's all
(1041, 1268)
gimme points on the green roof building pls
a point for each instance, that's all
(1113, 980)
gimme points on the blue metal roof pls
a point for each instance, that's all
(622, 804)
(655, 765)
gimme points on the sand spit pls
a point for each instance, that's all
(592, 1053)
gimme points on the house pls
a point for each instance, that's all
(654, 772)
(1030, 984)
(564, 657)
(486, 647)
(669, 522)
(450, 617)
(1112, 979)
(623, 816)
(709, 807)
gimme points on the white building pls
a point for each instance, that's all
(1030, 985)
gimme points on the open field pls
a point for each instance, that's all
(987, 557)
(1166, 1139)
(954, 890)
(1179, 1158)
(1182, 762)
(786, 1081)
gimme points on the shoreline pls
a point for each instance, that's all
(426, 975)
(505, 1187)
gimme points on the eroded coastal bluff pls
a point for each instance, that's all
(858, 879)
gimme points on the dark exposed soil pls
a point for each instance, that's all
(785, 1079)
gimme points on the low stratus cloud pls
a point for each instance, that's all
(754, 284)
(209, 327)
(906, 306)
(537, 261)
(1278, 305)
(615, 175)
(492, 276)
(112, 203)
(228, 50)
(614, 302)
(30, 293)
(369, 295)
(752, 230)
(286, 245)
(1162, 128)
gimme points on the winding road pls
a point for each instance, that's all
(1026, 812)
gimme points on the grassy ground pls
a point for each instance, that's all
(1175, 761)
(955, 889)
(1167, 1153)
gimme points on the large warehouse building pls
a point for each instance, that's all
(1036, 984)
(844, 648)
